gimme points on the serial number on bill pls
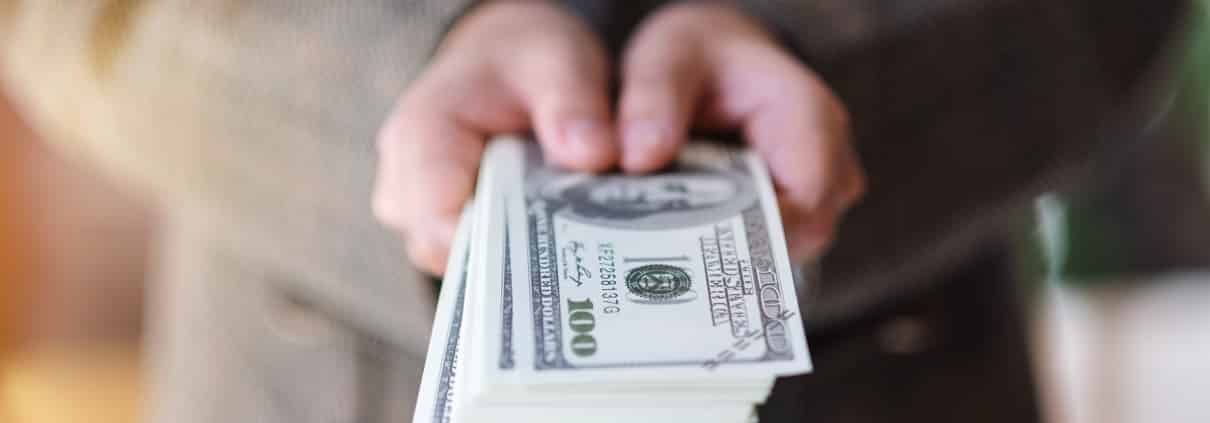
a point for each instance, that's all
(608, 277)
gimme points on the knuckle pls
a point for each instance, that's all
(562, 61)
(567, 88)
(425, 256)
(782, 65)
(387, 136)
(411, 103)
(812, 92)
(858, 188)
(643, 78)
(420, 256)
(555, 114)
(563, 104)
(553, 84)
(822, 242)
(802, 99)
(426, 86)
(445, 85)
(811, 242)
(650, 105)
(656, 64)
(819, 247)
(824, 233)
(852, 182)
(390, 213)
(392, 135)
(837, 114)
(823, 167)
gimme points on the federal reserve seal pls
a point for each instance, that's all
(659, 284)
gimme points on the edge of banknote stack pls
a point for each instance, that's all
(605, 298)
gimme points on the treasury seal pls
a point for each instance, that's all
(659, 284)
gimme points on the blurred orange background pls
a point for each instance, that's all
(72, 253)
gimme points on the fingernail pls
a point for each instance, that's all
(644, 134)
(642, 138)
(587, 134)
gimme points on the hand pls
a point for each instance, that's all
(710, 66)
(505, 67)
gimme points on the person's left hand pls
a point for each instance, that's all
(505, 67)
(710, 66)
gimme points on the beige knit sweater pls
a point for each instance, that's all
(257, 118)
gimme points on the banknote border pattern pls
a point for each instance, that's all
(506, 316)
(446, 385)
(540, 213)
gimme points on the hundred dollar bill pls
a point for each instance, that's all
(435, 400)
(498, 383)
(444, 390)
(668, 277)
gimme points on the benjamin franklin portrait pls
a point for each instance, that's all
(682, 197)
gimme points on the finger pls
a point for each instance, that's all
(801, 130)
(809, 234)
(564, 88)
(422, 185)
(791, 119)
(799, 137)
(505, 64)
(811, 230)
(662, 83)
(428, 256)
(427, 165)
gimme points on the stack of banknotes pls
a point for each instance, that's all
(614, 298)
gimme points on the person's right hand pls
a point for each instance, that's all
(507, 66)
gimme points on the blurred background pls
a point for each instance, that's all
(72, 257)
(1120, 278)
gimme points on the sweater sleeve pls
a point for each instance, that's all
(257, 115)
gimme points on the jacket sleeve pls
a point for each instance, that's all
(964, 111)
